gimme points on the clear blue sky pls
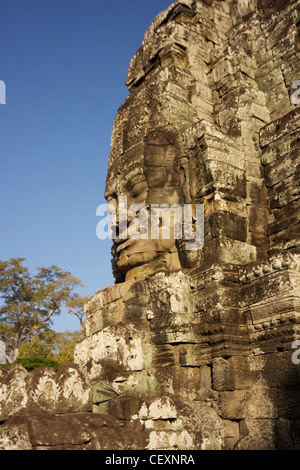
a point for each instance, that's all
(64, 63)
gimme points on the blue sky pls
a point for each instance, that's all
(64, 63)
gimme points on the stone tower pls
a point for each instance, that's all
(192, 349)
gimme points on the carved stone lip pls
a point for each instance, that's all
(122, 244)
(135, 246)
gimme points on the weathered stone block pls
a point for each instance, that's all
(223, 375)
(279, 128)
(118, 344)
(264, 434)
(14, 437)
(273, 370)
(65, 391)
(86, 431)
(13, 390)
(231, 434)
(259, 402)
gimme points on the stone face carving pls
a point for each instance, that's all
(189, 133)
(151, 179)
(193, 349)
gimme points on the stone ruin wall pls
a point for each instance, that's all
(191, 350)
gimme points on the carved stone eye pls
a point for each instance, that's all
(138, 189)
(297, 39)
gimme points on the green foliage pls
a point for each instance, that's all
(30, 363)
(28, 303)
(67, 342)
(58, 347)
(39, 347)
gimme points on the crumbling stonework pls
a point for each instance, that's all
(63, 392)
(192, 349)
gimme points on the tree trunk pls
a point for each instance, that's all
(8, 358)
(11, 354)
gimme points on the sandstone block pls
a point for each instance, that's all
(264, 434)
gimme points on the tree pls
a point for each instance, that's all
(54, 346)
(28, 302)
(65, 345)
(40, 346)
(2, 352)
(75, 305)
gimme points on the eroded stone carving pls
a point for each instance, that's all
(192, 350)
